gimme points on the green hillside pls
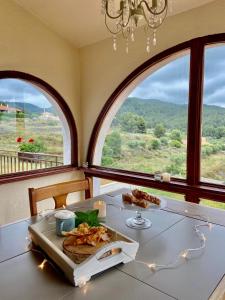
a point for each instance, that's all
(172, 115)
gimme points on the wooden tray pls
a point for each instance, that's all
(121, 250)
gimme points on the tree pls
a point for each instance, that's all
(131, 122)
(113, 145)
(159, 130)
(155, 144)
(176, 135)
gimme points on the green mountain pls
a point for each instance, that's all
(173, 116)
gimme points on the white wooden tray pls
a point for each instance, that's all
(43, 235)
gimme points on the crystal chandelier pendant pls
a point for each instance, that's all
(123, 17)
(127, 46)
(154, 38)
(114, 43)
(148, 45)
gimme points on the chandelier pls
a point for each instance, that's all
(124, 16)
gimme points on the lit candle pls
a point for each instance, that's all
(101, 206)
(166, 177)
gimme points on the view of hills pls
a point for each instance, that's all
(28, 108)
(172, 115)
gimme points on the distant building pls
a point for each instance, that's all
(7, 108)
(48, 116)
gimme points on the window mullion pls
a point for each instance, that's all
(195, 115)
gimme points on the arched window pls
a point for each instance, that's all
(38, 133)
(149, 131)
(168, 116)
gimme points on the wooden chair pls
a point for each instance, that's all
(59, 193)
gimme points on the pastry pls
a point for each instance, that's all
(143, 195)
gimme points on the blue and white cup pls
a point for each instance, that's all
(65, 221)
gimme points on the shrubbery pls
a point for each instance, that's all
(159, 130)
(176, 136)
(155, 144)
(175, 144)
(136, 144)
(164, 141)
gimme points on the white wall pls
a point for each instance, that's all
(28, 45)
(102, 69)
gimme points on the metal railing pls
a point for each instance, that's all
(12, 161)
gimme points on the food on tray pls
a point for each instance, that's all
(140, 198)
(86, 235)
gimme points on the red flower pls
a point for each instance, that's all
(30, 140)
(19, 139)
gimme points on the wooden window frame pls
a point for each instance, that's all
(25, 175)
(192, 187)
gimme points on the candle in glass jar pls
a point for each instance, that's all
(101, 206)
(166, 177)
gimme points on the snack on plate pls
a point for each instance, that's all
(130, 199)
(143, 195)
(140, 198)
(141, 202)
(86, 235)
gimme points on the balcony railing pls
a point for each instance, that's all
(12, 161)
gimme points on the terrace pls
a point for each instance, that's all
(13, 162)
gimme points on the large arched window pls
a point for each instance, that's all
(37, 128)
(168, 115)
(149, 131)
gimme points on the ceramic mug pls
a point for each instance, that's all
(65, 221)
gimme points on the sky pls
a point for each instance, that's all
(170, 82)
(19, 91)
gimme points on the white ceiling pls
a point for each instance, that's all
(80, 21)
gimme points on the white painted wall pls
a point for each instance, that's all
(28, 45)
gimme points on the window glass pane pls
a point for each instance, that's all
(109, 186)
(32, 134)
(149, 131)
(211, 203)
(213, 120)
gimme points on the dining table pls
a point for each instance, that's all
(198, 278)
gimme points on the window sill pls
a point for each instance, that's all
(21, 176)
(176, 185)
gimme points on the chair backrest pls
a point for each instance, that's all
(59, 193)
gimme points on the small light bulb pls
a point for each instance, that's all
(82, 283)
(184, 254)
(152, 266)
(42, 265)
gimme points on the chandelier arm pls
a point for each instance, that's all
(154, 26)
(111, 31)
(125, 25)
(152, 11)
(108, 14)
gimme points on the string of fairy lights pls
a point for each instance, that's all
(183, 255)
